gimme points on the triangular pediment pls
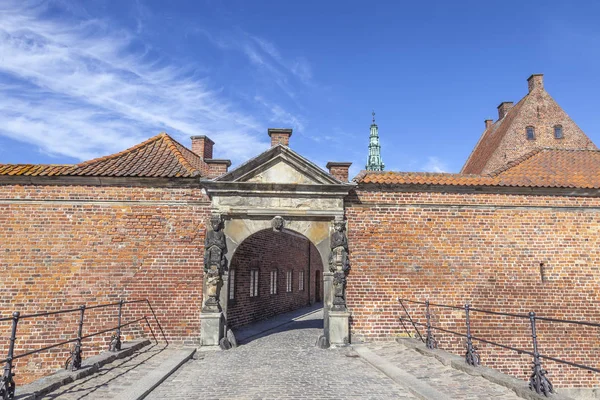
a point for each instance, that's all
(279, 164)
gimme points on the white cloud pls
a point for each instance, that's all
(81, 89)
(434, 164)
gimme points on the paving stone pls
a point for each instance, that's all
(455, 384)
(284, 364)
(113, 380)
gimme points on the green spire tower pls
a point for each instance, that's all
(374, 161)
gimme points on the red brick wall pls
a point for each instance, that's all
(484, 249)
(63, 246)
(266, 251)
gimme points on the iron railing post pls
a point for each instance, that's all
(430, 340)
(75, 358)
(472, 358)
(7, 386)
(538, 380)
(115, 342)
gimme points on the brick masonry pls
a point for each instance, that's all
(268, 251)
(485, 249)
(63, 246)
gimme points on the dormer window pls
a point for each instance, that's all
(530, 133)
(558, 132)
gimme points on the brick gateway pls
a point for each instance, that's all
(132, 225)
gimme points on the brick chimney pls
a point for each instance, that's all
(280, 136)
(535, 81)
(217, 167)
(339, 170)
(488, 123)
(503, 108)
(202, 146)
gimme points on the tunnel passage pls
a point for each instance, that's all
(271, 273)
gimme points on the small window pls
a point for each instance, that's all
(301, 281)
(288, 287)
(274, 281)
(232, 284)
(530, 133)
(558, 132)
(254, 283)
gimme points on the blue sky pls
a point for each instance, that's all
(85, 79)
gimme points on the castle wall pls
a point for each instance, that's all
(63, 246)
(502, 252)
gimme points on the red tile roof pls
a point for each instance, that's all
(553, 168)
(557, 168)
(490, 140)
(158, 157)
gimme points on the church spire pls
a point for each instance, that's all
(374, 162)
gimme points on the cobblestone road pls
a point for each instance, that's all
(285, 364)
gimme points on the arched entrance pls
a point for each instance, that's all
(269, 274)
(284, 192)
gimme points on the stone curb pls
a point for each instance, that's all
(417, 387)
(157, 376)
(89, 366)
(521, 388)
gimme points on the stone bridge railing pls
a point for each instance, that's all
(538, 380)
(73, 362)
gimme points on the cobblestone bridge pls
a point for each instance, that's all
(282, 362)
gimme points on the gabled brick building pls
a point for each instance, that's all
(517, 230)
(536, 121)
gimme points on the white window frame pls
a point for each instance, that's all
(253, 283)
(288, 282)
(274, 281)
(300, 281)
(232, 284)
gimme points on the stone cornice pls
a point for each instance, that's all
(276, 189)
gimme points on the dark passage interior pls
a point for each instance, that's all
(271, 273)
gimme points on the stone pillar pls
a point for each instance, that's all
(212, 321)
(338, 316)
(327, 300)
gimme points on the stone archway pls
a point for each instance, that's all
(281, 190)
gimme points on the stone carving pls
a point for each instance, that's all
(215, 262)
(338, 264)
(278, 223)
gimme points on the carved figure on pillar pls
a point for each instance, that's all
(215, 262)
(338, 264)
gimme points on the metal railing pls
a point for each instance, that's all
(538, 380)
(73, 362)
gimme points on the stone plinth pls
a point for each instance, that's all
(211, 325)
(339, 328)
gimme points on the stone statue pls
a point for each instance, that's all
(338, 258)
(338, 264)
(277, 224)
(215, 262)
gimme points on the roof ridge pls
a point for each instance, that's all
(172, 144)
(126, 151)
(516, 161)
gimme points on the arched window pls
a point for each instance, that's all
(558, 132)
(530, 133)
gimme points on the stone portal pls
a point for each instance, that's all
(284, 193)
